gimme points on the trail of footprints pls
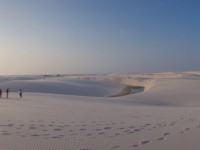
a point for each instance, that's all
(72, 130)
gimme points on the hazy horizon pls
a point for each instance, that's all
(97, 37)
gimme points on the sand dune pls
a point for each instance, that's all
(101, 112)
(178, 92)
(60, 86)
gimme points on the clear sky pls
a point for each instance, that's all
(98, 36)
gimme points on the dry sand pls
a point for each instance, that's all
(85, 115)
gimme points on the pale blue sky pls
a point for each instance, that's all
(99, 36)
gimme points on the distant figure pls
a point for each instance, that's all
(20, 93)
(7, 92)
(0, 93)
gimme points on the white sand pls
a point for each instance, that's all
(166, 115)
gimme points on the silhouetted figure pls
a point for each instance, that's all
(0, 93)
(7, 92)
(20, 93)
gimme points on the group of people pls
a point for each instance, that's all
(8, 91)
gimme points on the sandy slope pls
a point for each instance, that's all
(48, 121)
(180, 92)
(166, 115)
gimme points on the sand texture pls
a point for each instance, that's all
(146, 111)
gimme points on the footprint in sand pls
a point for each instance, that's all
(164, 125)
(172, 124)
(56, 137)
(147, 124)
(145, 142)
(142, 128)
(46, 134)
(57, 129)
(166, 134)
(101, 133)
(10, 125)
(6, 133)
(98, 129)
(107, 128)
(187, 129)
(131, 132)
(116, 134)
(135, 145)
(160, 139)
(89, 134)
(125, 131)
(35, 135)
(73, 134)
(137, 130)
(114, 147)
(83, 129)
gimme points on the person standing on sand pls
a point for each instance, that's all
(0, 93)
(7, 92)
(20, 93)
